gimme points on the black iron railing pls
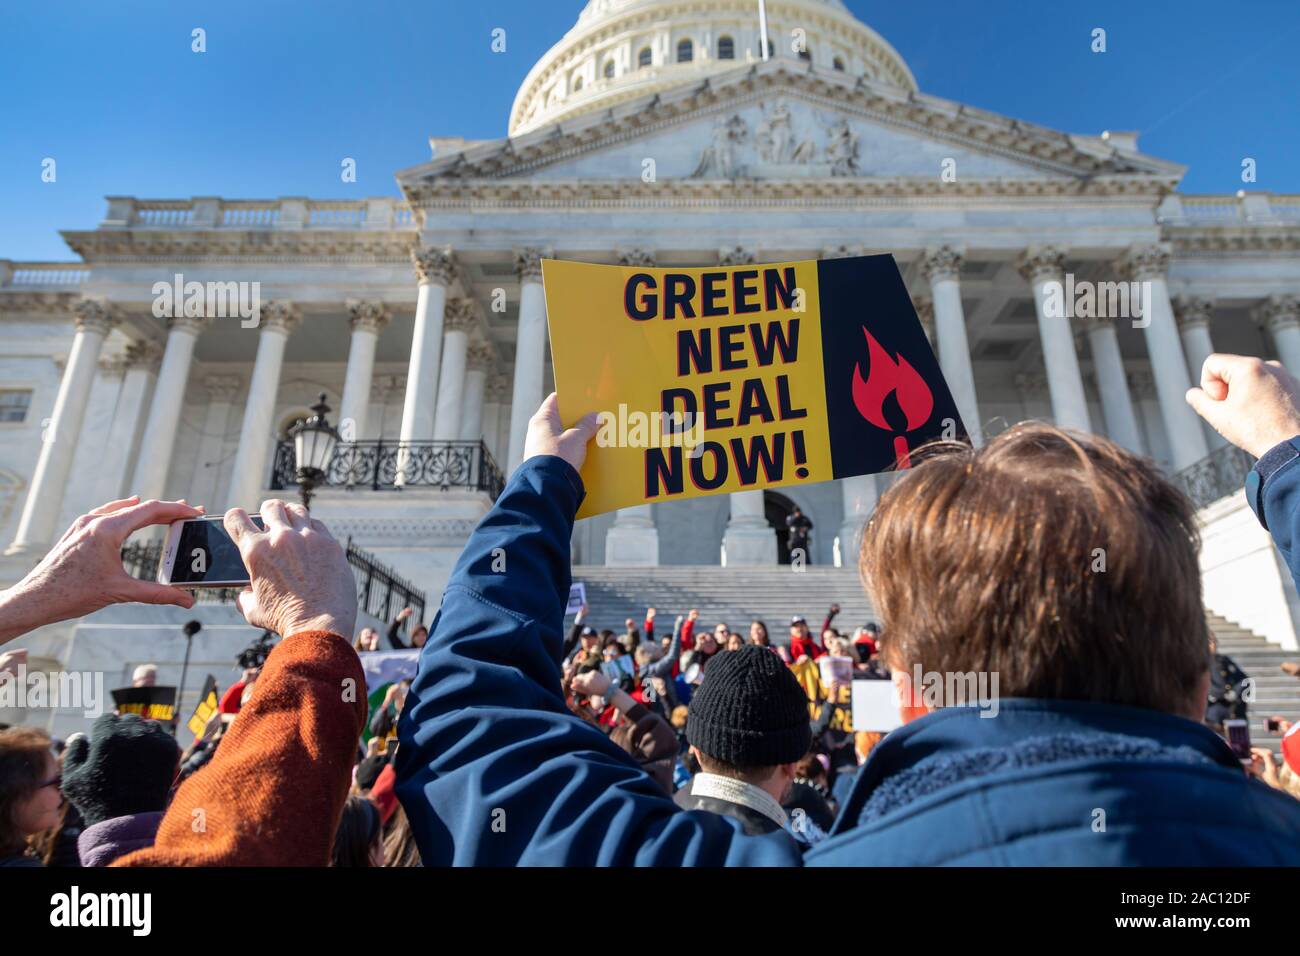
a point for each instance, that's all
(1220, 473)
(385, 465)
(381, 592)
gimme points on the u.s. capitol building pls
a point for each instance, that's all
(655, 132)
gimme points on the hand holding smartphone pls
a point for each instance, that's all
(199, 553)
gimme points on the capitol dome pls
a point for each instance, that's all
(622, 49)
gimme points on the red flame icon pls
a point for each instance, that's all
(887, 376)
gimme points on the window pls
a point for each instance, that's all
(14, 404)
(771, 50)
(577, 83)
(726, 48)
(805, 55)
(838, 64)
(685, 51)
(644, 58)
(609, 69)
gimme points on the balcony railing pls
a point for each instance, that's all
(127, 212)
(1219, 474)
(381, 592)
(377, 465)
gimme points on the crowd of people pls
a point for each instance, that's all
(522, 741)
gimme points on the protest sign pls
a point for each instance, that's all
(151, 703)
(876, 706)
(207, 706)
(577, 597)
(722, 379)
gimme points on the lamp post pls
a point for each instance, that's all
(313, 447)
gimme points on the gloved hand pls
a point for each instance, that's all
(126, 765)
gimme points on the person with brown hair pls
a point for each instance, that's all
(30, 800)
(1056, 568)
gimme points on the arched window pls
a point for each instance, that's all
(805, 55)
(726, 48)
(838, 64)
(577, 83)
(644, 58)
(609, 69)
(771, 49)
(685, 51)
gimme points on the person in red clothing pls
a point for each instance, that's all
(230, 700)
(801, 642)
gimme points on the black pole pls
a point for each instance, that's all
(191, 628)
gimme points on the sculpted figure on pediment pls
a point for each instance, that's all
(777, 143)
(721, 158)
(842, 148)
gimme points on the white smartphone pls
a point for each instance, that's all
(199, 553)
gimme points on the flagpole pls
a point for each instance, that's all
(762, 26)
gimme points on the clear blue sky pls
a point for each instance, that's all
(288, 88)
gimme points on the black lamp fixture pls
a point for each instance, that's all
(313, 447)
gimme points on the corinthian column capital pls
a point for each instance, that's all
(1278, 312)
(1192, 311)
(737, 256)
(368, 316)
(1142, 263)
(942, 263)
(1042, 263)
(433, 265)
(95, 315)
(280, 316)
(528, 263)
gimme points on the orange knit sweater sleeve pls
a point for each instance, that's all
(273, 793)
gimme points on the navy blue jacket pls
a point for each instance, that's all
(493, 769)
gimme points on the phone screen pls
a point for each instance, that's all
(206, 555)
(1238, 733)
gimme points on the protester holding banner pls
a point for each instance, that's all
(1111, 721)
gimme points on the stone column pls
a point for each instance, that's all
(478, 361)
(530, 351)
(1193, 315)
(154, 462)
(462, 318)
(860, 495)
(37, 526)
(496, 418)
(249, 477)
(1147, 265)
(749, 539)
(1112, 383)
(941, 268)
(1280, 314)
(1044, 267)
(368, 320)
(205, 488)
(632, 541)
(435, 270)
(925, 312)
(125, 435)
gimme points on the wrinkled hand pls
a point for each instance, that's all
(1252, 403)
(591, 684)
(300, 578)
(548, 436)
(83, 572)
(10, 661)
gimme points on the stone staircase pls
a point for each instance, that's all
(737, 596)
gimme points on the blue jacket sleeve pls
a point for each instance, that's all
(1273, 491)
(492, 768)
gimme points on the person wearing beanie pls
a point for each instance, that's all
(119, 778)
(748, 728)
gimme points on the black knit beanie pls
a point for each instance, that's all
(749, 711)
(126, 766)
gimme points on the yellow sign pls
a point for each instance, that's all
(721, 379)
